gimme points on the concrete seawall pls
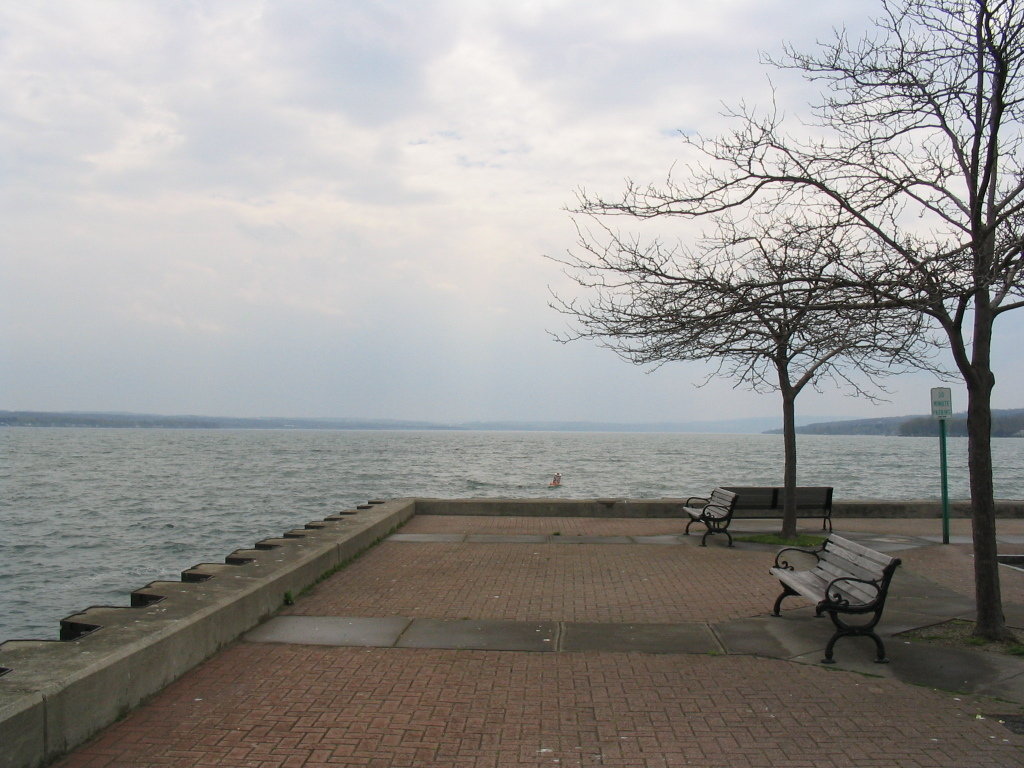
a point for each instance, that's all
(56, 694)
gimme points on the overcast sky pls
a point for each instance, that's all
(342, 207)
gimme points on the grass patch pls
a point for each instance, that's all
(959, 633)
(802, 539)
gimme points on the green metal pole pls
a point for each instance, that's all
(945, 488)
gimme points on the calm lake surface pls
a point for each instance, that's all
(88, 515)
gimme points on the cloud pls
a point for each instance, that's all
(366, 61)
(341, 207)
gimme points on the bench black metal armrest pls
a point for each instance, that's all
(834, 599)
(723, 512)
(780, 562)
(692, 499)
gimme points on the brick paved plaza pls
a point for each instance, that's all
(266, 705)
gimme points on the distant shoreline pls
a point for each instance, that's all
(1005, 423)
(86, 419)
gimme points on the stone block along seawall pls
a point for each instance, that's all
(56, 694)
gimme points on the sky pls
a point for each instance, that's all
(343, 207)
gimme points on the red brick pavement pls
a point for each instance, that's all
(274, 706)
(285, 706)
(654, 526)
(567, 526)
(557, 582)
(949, 565)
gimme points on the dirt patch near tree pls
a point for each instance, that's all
(959, 633)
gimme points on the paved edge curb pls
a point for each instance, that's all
(57, 694)
(660, 508)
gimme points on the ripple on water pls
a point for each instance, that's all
(88, 516)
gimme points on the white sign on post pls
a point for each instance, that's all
(942, 403)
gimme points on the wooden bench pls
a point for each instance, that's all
(715, 512)
(808, 498)
(845, 578)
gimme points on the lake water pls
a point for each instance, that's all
(88, 515)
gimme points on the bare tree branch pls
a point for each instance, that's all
(752, 298)
(905, 192)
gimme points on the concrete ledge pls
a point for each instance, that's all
(919, 508)
(548, 507)
(56, 694)
(541, 507)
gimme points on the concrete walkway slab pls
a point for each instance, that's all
(932, 666)
(915, 594)
(641, 638)
(937, 539)
(799, 637)
(670, 539)
(388, 632)
(1014, 617)
(896, 621)
(330, 630)
(885, 542)
(481, 635)
(591, 540)
(789, 636)
(505, 538)
(454, 538)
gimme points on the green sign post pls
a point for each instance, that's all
(942, 409)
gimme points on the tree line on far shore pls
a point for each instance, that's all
(1005, 423)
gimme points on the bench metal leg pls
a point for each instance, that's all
(853, 630)
(714, 526)
(786, 592)
(710, 531)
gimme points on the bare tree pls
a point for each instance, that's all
(915, 161)
(743, 299)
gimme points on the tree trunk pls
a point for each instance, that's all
(789, 471)
(991, 623)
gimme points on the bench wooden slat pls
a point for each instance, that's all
(808, 496)
(831, 571)
(847, 559)
(808, 583)
(715, 513)
(721, 496)
(846, 578)
(814, 585)
(843, 567)
(852, 591)
(755, 497)
(772, 499)
(835, 543)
